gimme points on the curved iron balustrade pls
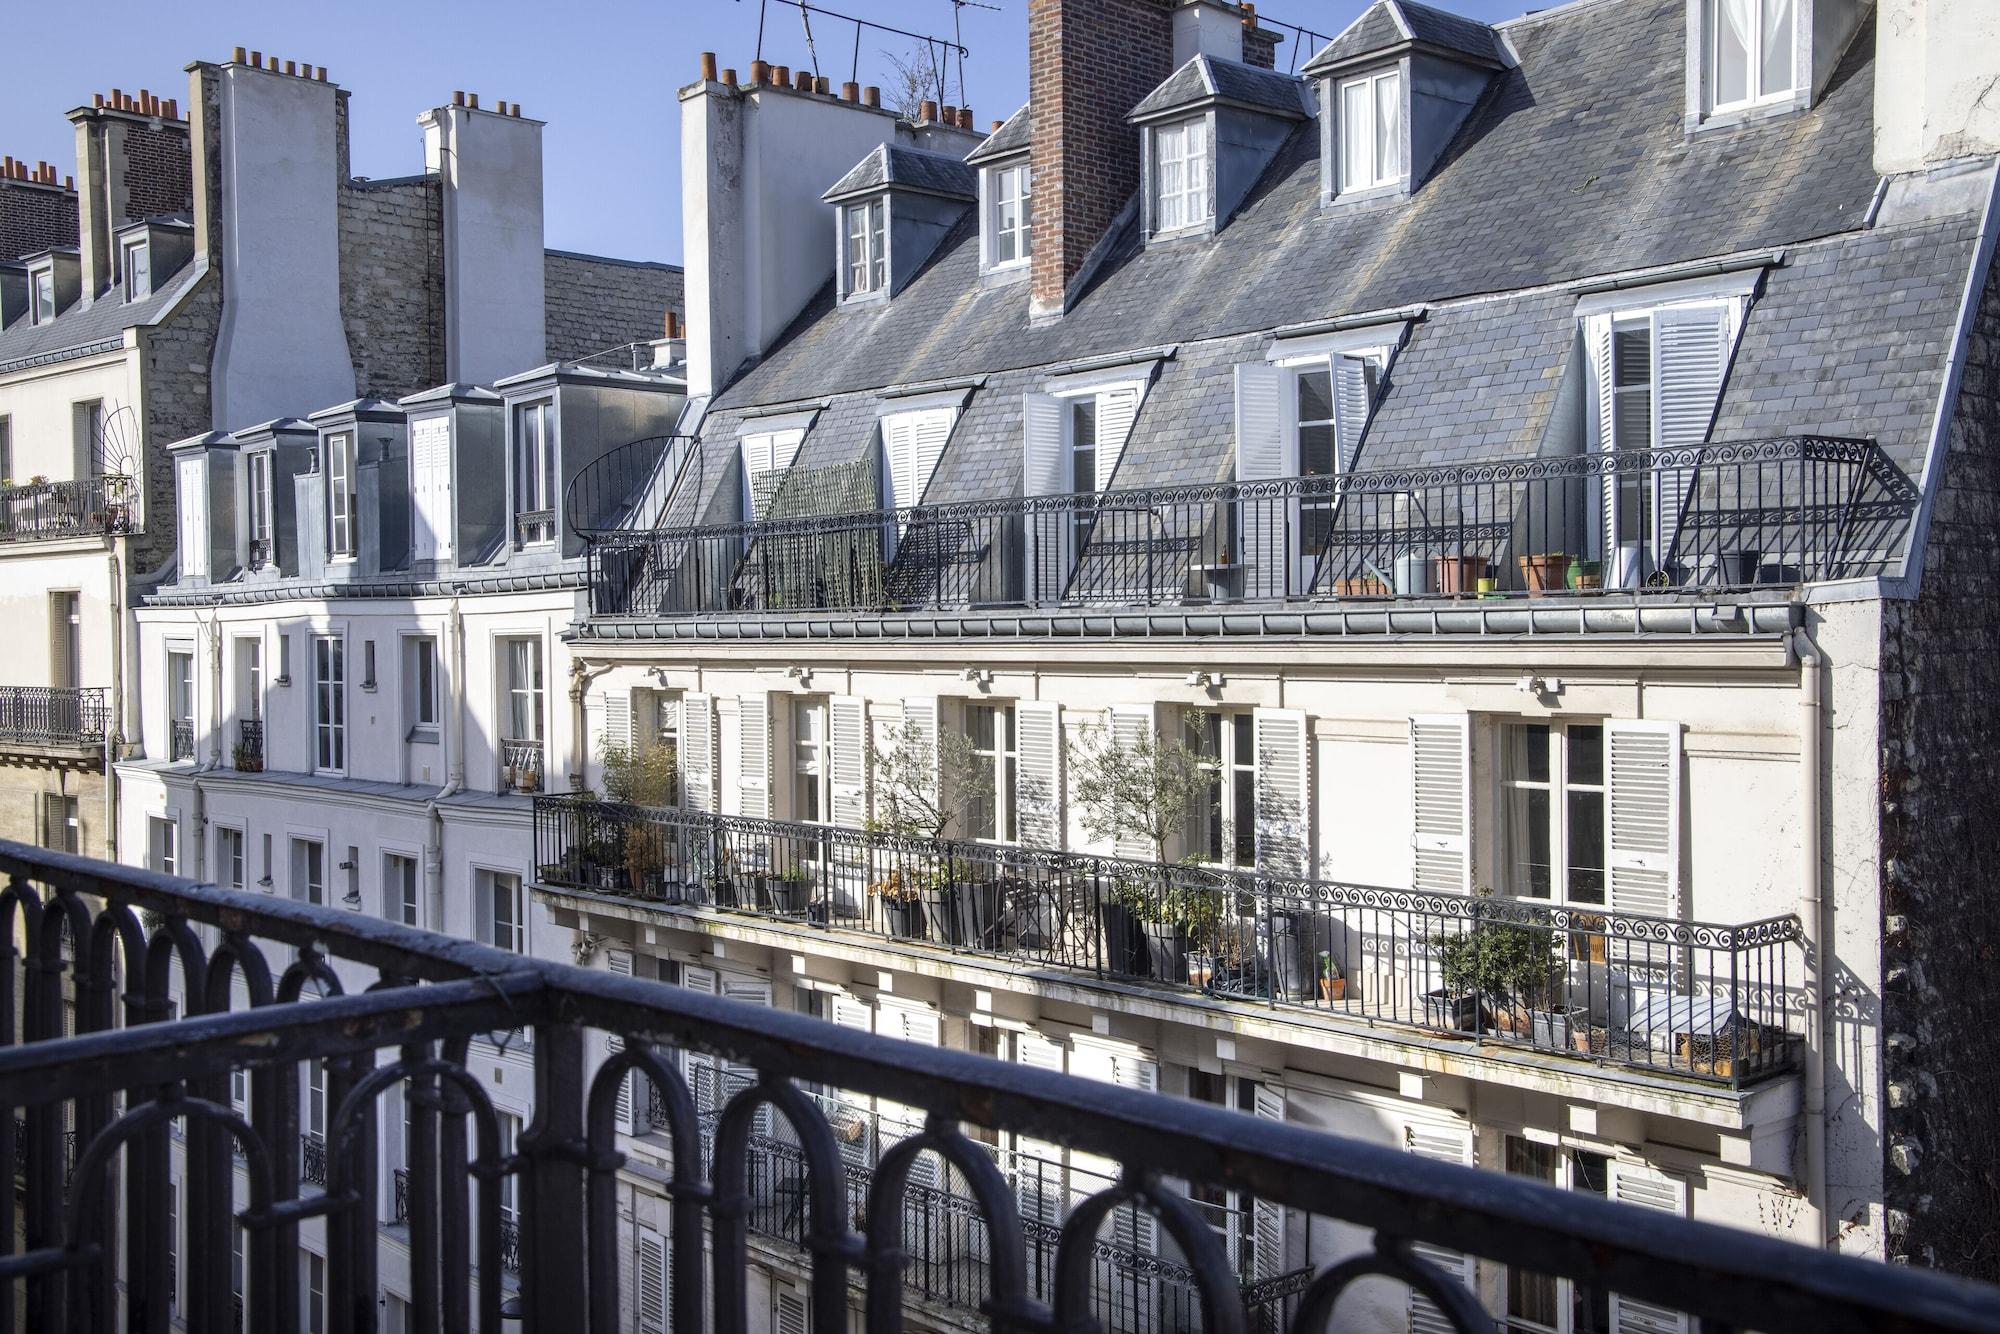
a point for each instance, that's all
(133, 1071)
(630, 488)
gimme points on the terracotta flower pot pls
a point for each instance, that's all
(1544, 574)
(1458, 576)
(1333, 988)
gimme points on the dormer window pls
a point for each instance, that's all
(1751, 52)
(1180, 175)
(340, 495)
(535, 472)
(1370, 110)
(42, 300)
(136, 261)
(865, 246)
(1009, 215)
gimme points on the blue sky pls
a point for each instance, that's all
(603, 77)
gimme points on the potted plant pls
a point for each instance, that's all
(1170, 915)
(1545, 573)
(1742, 567)
(247, 759)
(902, 899)
(926, 783)
(791, 890)
(1506, 967)
(1332, 982)
(1459, 575)
(1586, 576)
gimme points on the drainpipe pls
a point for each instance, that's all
(454, 636)
(114, 722)
(200, 858)
(580, 677)
(1816, 915)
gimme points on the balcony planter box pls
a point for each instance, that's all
(1555, 1029)
(609, 878)
(1742, 567)
(1459, 1013)
(971, 913)
(1544, 574)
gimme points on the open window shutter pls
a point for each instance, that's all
(194, 517)
(847, 735)
(1597, 332)
(748, 991)
(1045, 534)
(897, 434)
(651, 1268)
(753, 741)
(617, 718)
(917, 1023)
(697, 754)
(852, 1012)
(430, 486)
(1038, 773)
(1354, 380)
(1634, 1184)
(922, 712)
(1284, 791)
(1441, 799)
(1039, 1178)
(1691, 350)
(928, 434)
(1116, 411)
(1267, 1247)
(1643, 817)
(700, 1067)
(1265, 446)
(1445, 1144)
(620, 962)
(788, 1311)
(1132, 726)
(1133, 1231)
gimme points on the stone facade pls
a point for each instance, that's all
(27, 783)
(392, 283)
(1940, 837)
(176, 356)
(34, 217)
(594, 303)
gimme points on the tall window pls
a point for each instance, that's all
(260, 509)
(229, 857)
(340, 495)
(6, 451)
(1750, 51)
(811, 798)
(1010, 215)
(250, 679)
(1632, 426)
(180, 705)
(62, 827)
(1552, 810)
(1180, 175)
(535, 471)
(87, 431)
(1222, 827)
(44, 297)
(308, 870)
(420, 676)
(1536, 1302)
(500, 919)
(865, 246)
(315, 1118)
(138, 265)
(399, 889)
(329, 704)
(521, 669)
(1371, 131)
(990, 728)
(65, 650)
(163, 844)
(767, 456)
(314, 1294)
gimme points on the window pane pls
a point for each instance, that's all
(1315, 396)
(1734, 26)
(1357, 133)
(1526, 754)
(1388, 127)
(1316, 451)
(1586, 847)
(1775, 69)
(1586, 756)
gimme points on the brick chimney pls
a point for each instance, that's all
(37, 209)
(132, 162)
(1089, 64)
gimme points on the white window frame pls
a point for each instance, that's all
(307, 869)
(1185, 204)
(1566, 1177)
(329, 703)
(1234, 771)
(131, 273)
(811, 769)
(402, 886)
(163, 842)
(1755, 93)
(180, 688)
(1385, 169)
(232, 863)
(341, 498)
(42, 296)
(421, 690)
(1003, 756)
(259, 467)
(535, 483)
(503, 931)
(1561, 784)
(1008, 185)
(867, 272)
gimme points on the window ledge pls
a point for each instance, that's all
(427, 733)
(1755, 113)
(1394, 192)
(1005, 275)
(874, 296)
(1202, 230)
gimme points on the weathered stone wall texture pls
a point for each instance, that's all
(594, 303)
(392, 285)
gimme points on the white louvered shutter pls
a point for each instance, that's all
(898, 433)
(1266, 449)
(1643, 817)
(1132, 726)
(788, 1311)
(1267, 1244)
(1040, 1181)
(699, 1067)
(753, 754)
(912, 445)
(1045, 534)
(430, 487)
(697, 753)
(628, 1119)
(1445, 1144)
(1690, 351)
(1646, 1188)
(917, 1023)
(1133, 1230)
(194, 517)
(852, 1012)
(1354, 381)
(1117, 409)
(1038, 794)
(1441, 800)
(747, 991)
(1284, 791)
(617, 718)
(651, 1267)
(847, 759)
(1597, 330)
(922, 713)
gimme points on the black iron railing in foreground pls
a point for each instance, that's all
(1712, 1001)
(1710, 518)
(93, 1257)
(54, 715)
(79, 508)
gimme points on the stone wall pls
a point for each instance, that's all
(158, 174)
(392, 284)
(1941, 841)
(594, 303)
(34, 217)
(175, 364)
(23, 785)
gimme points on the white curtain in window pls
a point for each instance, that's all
(1388, 128)
(1775, 52)
(1356, 167)
(1735, 29)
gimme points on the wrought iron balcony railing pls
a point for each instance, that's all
(1712, 518)
(54, 715)
(312, 1159)
(180, 739)
(401, 1202)
(533, 527)
(1715, 1002)
(521, 765)
(249, 754)
(95, 1255)
(259, 554)
(38, 511)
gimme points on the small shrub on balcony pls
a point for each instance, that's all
(640, 775)
(1139, 788)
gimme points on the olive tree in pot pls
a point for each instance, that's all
(925, 786)
(643, 776)
(1506, 970)
(1139, 788)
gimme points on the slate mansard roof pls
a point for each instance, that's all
(1389, 24)
(1573, 165)
(891, 166)
(1204, 80)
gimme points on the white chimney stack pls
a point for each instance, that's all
(495, 308)
(1937, 82)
